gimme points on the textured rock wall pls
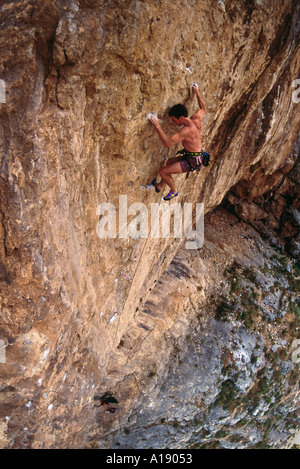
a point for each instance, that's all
(81, 77)
(275, 214)
(224, 374)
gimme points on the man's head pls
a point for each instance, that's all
(179, 110)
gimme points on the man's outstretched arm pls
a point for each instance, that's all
(168, 141)
(200, 101)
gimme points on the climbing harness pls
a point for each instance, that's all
(194, 159)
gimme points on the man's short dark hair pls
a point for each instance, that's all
(178, 111)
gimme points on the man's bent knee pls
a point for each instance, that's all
(162, 171)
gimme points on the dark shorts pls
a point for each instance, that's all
(189, 164)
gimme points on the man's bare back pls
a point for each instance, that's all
(192, 142)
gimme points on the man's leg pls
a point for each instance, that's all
(166, 171)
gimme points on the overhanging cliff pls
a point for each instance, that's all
(80, 78)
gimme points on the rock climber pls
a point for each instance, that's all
(189, 135)
(105, 400)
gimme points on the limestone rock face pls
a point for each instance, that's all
(230, 381)
(276, 212)
(80, 78)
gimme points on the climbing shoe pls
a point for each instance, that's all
(170, 195)
(153, 183)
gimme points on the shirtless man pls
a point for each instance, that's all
(189, 135)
